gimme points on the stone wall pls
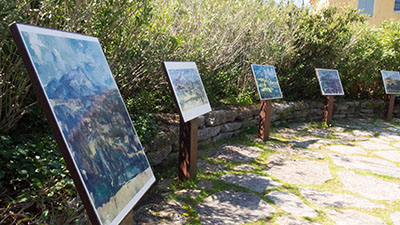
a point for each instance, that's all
(220, 124)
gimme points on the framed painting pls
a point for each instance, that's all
(88, 117)
(266, 81)
(391, 81)
(190, 95)
(329, 81)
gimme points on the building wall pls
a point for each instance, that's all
(383, 9)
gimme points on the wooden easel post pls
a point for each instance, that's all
(389, 107)
(328, 109)
(187, 149)
(264, 122)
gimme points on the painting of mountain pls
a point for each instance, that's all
(188, 88)
(329, 82)
(266, 81)
(391, 81)
(92, 118)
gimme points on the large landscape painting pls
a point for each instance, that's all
(391, 81)
(188, 89)
(329, 82)
(92, 117)
(266, 81)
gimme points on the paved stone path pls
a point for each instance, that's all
(306, 174)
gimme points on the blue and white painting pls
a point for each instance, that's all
(188, 89)
(93, 119)
(266, 81)
(329, 81)
(391, 81)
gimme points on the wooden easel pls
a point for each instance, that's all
(389, 107)
(264, 122)
(328, 109)
(187, 149)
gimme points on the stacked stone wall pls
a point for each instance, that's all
(220, 124)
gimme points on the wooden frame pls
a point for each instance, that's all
(188, 126)
(77, 92)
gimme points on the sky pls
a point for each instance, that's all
(55, 56)
(297, 2)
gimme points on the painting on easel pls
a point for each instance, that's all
(188, 89)
(266, 81)
(391, 81)
(329, 81)
(89, 119)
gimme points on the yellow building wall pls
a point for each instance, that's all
(383, 9)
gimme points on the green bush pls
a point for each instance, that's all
(34, 182)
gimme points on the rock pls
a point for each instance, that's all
(225, 135)
(306, 143)
(201, 121)
(320, 132)
(374, 165)
(296, 171)
(352, 217)
(367, 111)
(291, 204)
(170, 212)
(207, 167)
(236, 153)
(345, 149)
(374, 146)
(293, 221)
(188, 193)
(244, 114)
(255, 110)
(344, 136)
(286, 132)
(244, 167)
(339, 116)
(369, 186)
(227, 127)
(231, 207)
(156, 157)
(253, 182)
(216, 117)
(389, 137)
(231, 115)
(395, 217)
(342, 106)
(389, 155)
(205, 184)
(164, 184)
(204, 142)
(295, 151)
(328, 199)
(207, 133)
(363, 133)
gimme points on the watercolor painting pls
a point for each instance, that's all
(188, 89)
(92, 117)
(266, 81)
(391, 81)
(329, 82)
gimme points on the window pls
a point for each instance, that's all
(367, 6)
(397, 5)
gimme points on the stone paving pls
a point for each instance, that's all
(306, 174)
